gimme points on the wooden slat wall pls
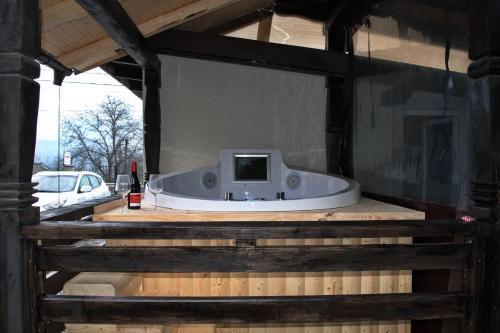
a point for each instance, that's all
(275, 284)
(278, 284)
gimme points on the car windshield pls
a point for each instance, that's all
(55, 183)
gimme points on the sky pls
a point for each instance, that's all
(78, 93)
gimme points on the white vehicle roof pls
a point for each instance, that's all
(65, 173)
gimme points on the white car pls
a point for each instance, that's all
(63, 188)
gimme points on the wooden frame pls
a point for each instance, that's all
(243, 310)
(466, 255)
(249, 259)
(20, 284)
(250, 52)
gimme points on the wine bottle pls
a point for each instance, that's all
(134, 197)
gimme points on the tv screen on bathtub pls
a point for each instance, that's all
(251, 168)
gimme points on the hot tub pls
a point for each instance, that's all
(254, 180)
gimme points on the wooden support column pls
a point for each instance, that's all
(19, 95)
(152, 122)
(265, 25)
(338, 108)
(484, 51)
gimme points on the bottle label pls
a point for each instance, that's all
(135, 199)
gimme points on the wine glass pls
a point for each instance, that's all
(122, 187)
(155, 185)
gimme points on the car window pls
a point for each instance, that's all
(55, 183)
(84, 181)
(96, 182)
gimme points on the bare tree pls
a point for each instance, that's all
(104, 140)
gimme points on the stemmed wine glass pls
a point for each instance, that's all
(155, 186)
(122, 187)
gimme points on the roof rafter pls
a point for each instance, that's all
(115, 20)
(104, 49)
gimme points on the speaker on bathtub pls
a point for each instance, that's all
(209, 180)
(293, 181)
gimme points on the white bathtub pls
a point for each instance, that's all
(193, 190)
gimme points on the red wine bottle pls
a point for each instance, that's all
(134, 197)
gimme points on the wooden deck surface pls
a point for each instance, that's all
(368, 209)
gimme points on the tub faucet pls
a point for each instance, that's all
(228, 196)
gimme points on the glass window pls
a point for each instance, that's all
(96, 182)
(55, 183)
(84, 182)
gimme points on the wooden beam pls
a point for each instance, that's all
(60, 71)
(113, 18)
(259, 259)
(251, 230)
(126, 71)
(242, 310)
(336, 113)
(237, 14)
(250, 52)
(335, 13)
(152, 123)
(265, 25)
(104, 50)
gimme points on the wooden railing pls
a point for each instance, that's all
(465, 254)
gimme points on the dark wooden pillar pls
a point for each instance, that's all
(337, 136)
(152, 121)
(484, 51)
(19, 93)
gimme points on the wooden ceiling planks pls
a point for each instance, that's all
(288, 30)
(76, 40)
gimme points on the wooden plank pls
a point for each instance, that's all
(367, 209)
(351, 283)
(276, 284)
(236, 12)
(333, 285)
(115, 20)
(294, 286)
(313, 285)
(79, 211)
(387, 286)
(103, 50)
(370, 284)
(403, 283)
(262, 259)
(102, 284)
(247, 230)
(250, 52)
(158, 310)
(265, 25)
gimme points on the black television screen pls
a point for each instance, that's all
(251, 168)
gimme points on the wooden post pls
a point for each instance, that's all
(338, 108)
(19, 95)
(484, 51)
(152, 121)
(265, 25)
